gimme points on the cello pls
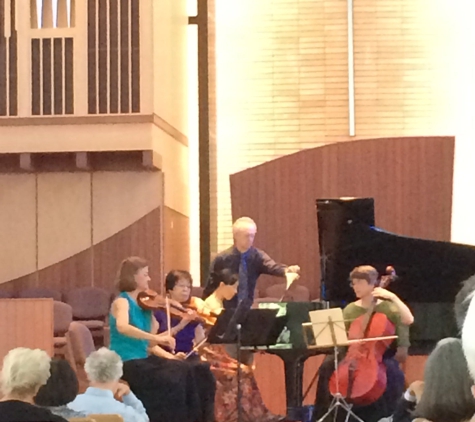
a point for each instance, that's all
(361, 375)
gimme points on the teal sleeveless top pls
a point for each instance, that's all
(126, 347)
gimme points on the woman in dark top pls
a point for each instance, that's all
(167, 386)
(62, 388)
(187, 332)
(24, 371)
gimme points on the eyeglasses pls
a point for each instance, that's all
(183, 286)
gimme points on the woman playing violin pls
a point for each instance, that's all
(166, 387)
(223, 288)
(364, 281)
(184, 326)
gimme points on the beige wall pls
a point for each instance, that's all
(282, 77)
(75, 137)
(48, 216)
(17, 225)
(170, 22)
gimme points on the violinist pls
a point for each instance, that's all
(184, 326)
(166, 387)
(363, 280)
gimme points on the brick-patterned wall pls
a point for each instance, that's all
(282, 78)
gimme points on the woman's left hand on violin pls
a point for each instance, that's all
(381, 293)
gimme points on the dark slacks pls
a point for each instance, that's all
(172, 390)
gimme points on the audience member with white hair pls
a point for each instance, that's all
(104, 370)
(24, 371)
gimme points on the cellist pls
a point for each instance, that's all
(364, 280)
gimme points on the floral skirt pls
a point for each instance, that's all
(224, 369)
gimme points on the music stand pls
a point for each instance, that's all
(227, 330)
(329, 331)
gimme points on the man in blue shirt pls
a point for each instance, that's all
(104, 370)
(247, 261)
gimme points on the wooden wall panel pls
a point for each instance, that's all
(143, 238)
(98, 266)
(270, 379)
(410, 179)
(18, 331)
(17, 193)
(64, 216)
(283, 84)
(176, 249)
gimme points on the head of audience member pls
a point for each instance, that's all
(462, 300)
(363, 280)
(178, 285)
(24, 371)
(224, 284)
(133, 275)
(104, 369)
(244, 232)
(62, 386)
(447, 395)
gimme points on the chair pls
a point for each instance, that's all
(62, 318)
(107, 418)
(40, 292)
(294, 294)
(81, 420)
(197, 291)
(81, 342)
(5, 294)
(276, 291)
(90, 307)
(82, 345)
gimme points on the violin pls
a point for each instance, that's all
(152, 301)
(361, 375)
(199, 306)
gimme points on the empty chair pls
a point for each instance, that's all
(90, 306)
(197, 291)
(40, 292)
(299, 294)
(294, 294)
(82, 345)
(5, 294)
(62, 316)
(276, 291)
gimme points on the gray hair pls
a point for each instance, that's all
(103, 366)
(24, 371)
(447, 395)
(242, 222)
(462, 300)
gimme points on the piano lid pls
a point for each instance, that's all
(429, 271)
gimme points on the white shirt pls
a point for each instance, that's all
(98, 401)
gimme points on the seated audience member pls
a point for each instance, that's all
(104, 370)
(467, 316)
(62, 388)
(462, 300)
(445, 394)
(24, 371)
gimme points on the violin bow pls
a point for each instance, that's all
(169, 319)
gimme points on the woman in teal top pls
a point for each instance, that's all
(167, 387)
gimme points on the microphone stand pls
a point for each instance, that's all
(239, 389)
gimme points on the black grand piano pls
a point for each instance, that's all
(430, 274)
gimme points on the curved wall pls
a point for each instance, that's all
(410, 179)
